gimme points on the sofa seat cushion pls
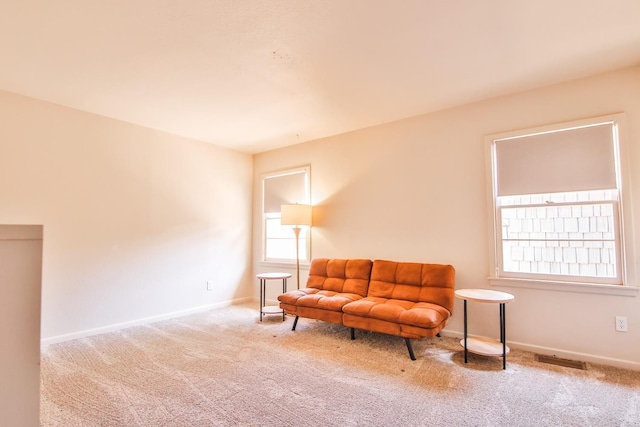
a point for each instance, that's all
(420, 314)
(318, 298)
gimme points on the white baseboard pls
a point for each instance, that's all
(146, 320)
(563, 354)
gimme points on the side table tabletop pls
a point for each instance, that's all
(485, 346)
(263, 277)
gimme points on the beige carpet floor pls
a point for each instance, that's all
(225, 368)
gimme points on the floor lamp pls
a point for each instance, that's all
(296, 215)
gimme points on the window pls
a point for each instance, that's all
(557, 204)
(281, 188)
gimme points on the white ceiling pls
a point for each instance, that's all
(260, 74)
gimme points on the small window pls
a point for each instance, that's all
(283, 188)
(557, 204)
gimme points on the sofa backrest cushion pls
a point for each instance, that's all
(433, 283)
(340, 275)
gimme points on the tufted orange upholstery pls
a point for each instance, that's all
(332, 283)
(410, 300)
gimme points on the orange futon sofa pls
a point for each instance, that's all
(410, 300)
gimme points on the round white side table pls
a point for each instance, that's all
(485, 346)
(264, 277)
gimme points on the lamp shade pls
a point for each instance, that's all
(295, 214)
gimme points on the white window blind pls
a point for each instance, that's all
(577, 159)
(285, 189)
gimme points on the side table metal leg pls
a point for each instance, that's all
(465, 331)
(284, 289)
(503, 334)
(261, 297)
(501, 322)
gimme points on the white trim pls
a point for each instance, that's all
(550, 351)
(628, 261)
(549, 285)
(143, 321)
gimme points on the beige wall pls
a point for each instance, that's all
(20, 282)
(136, 221)
(414, 190)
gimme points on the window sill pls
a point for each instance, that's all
(588, 288)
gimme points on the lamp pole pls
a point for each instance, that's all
(296, 230)
(296, 215)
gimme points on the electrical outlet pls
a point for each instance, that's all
(621, 324)
(209, 285)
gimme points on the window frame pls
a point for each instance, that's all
(626, 265)
(305, 232)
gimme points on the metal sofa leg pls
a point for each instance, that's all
(411, 355)
(353, 333)
(295, 322)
